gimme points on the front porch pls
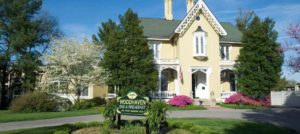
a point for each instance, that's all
(168, 85)
(228, 83)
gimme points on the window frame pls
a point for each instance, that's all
(83, 91)
(155, 47)
(225, 49)
(200, 44)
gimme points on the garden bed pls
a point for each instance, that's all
(189, 107)
(240, 106)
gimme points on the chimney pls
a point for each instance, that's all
(168, 10)
(189, 5)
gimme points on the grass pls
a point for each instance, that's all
(221, 126)
(237, 106)
(7, 116)
(189, 107)
(233, 126)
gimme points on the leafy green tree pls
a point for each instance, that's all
(24, 35)
(128, 59)
(260, 60)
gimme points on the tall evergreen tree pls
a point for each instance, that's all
(127, 59)
(24, 35)
(260, 60)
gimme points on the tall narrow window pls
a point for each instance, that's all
(225, 52)
(202, 46)
(85, 91)
(200, 43)
(155, 46)
(197, 45)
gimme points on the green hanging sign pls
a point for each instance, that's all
(132, 104)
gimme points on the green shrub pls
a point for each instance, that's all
(110, 111)
(61, 132)
(80, 125)
(157, 115)
(105, 129)
(209, 131)
(175, 124)
(180, 131)
(39, 102)
(133, 130)
(98, 101)
(82, 104)
(93, 124)
(197, 129)
(63, 104)
(186, 125)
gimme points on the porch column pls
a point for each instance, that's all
(177, 88)
(159, 81)
(235, 83)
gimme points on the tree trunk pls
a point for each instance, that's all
(3, 88)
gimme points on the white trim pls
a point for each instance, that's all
(228, 42)
(207, 71)
(178, 81)
(190, 17)
(157, 39)
(200, 35)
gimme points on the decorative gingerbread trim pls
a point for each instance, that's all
(190, 18)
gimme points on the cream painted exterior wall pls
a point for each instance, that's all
(235, 52)
(182, 52)
(168, 50)
(99, 91)
(187, 60)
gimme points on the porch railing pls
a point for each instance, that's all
(225, 95)
(162, 95)
(111, 96)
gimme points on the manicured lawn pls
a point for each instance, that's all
(231, 126)
(7, 116)
(221, 126)
(236, 106)
(189, 107)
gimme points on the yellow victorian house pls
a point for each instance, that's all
(194, 56)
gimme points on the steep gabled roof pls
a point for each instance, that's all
(159, 28)
(164, 29)
(233, 33)
(190, 18)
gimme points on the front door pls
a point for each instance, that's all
(200, 87)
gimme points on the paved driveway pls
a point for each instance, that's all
(288, 117)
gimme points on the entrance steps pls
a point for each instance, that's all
(205, 102)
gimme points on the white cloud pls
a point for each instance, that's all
(76, 31)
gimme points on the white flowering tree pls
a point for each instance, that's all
(73, 62)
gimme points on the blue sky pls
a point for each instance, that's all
(81, 18)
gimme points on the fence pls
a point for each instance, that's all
(285, 98)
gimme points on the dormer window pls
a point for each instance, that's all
(200, 43)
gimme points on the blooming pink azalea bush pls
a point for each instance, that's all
(181, 101)
(240, 98)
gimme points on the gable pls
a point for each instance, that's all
(190, 18)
